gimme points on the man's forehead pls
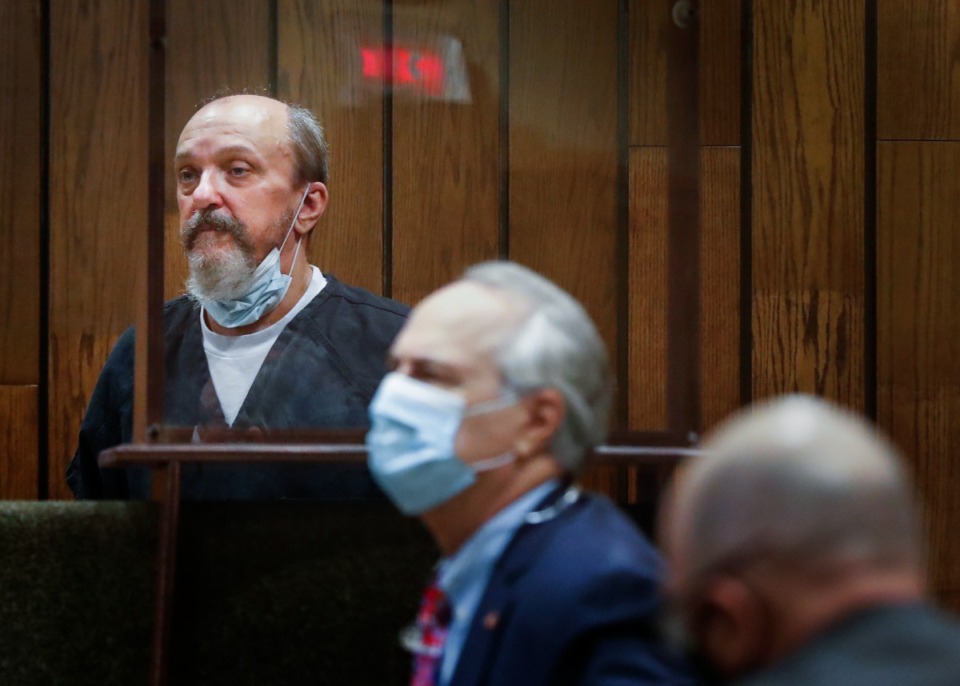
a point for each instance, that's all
(259, 120)
(460, 321)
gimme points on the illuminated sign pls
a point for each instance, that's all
(419, 69)
(430, 67)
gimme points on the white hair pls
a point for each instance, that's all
(800, 481)
(554, 344)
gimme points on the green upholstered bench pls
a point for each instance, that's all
(267, 594)
(76, 589)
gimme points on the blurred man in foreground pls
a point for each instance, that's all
(500, 389)
(795, 557)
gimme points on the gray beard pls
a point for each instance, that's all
(229, 278)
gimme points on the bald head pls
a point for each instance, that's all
(293, 129)
(796, 480)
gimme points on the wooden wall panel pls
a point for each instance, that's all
(19, 452)
(319, 67)
(918, 317)
(918, 73)
(445, 153)
(720, 71)
(563, 159)
(719, 283)
(563, 149)
(808, 189)
(212, 46)
(98, 146)
(720, 286)
(20, 84)
(647, 288)
(651, 28)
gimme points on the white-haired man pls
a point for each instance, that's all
(795, 556)
(500, 388)
(263, 339)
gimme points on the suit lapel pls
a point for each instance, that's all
(495, 610)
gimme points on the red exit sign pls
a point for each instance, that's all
(417, 69)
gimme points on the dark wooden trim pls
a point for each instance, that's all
(622, 447)
(503, 125)
(683, 241)
(622, 407)
(273, 48)
(43, 390)
(870, 372)
(148, 387)
(387, 134)
(746, 203)
(166, 572)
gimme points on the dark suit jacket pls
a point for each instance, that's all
(899, 645)
(572, 600)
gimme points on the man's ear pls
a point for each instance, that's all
(546, 410)
(313, 208)
(732, 626)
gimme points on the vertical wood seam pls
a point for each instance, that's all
(273, 48)
(503, 123)
(43, 391)
(623, 214)
(870, 372)
(746, 203)
(387, 133)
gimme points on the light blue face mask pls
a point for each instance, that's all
(410, 445)
(269, 287)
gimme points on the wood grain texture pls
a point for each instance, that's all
(720, 55)
(212, 46)
(649, 32)
(719, 283)
(319, 65)
(808, 189)
(647, 288)
(445, 154)
(918, 69)
(563, 159)
(19, 451)
(651, 28)
(98, 146)
(20, 199)
(918, 317)
(563, 150)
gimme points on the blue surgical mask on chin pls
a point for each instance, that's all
(410, 445)
(269, 287)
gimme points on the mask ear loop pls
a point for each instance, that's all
(306, 192)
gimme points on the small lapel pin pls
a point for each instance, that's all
(490, 620)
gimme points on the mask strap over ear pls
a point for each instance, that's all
(306, 192)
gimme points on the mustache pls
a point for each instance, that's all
(208, 219)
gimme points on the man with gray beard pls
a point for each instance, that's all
(262, 339)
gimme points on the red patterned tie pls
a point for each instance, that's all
(433, 621)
